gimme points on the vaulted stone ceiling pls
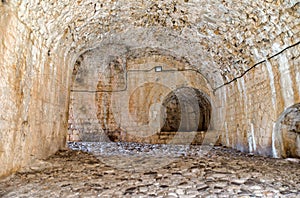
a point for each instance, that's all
(222, 38)
(40, 42)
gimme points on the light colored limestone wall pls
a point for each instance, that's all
(222, 39)
(256, 101)
(41, 40)
(133, 102)
(33, 95)
(231, 33)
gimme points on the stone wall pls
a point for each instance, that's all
(127, 94)
(175, 137)
(34, 93)
(41, 41)
(256, 101)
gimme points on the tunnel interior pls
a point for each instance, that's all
(246, 52)
(186, 109)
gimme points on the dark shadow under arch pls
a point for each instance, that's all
(186, 109)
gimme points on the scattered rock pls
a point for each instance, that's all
(239, 181)
(81, 174)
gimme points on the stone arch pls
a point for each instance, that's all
(105, 74)
(186, 109)
(286, 137)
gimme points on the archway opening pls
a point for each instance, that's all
(186, 109)
(121, 98)
(288, 135)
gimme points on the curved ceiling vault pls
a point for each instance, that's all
(221, 38)
(41, 41)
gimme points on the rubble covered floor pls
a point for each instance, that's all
(145, 170)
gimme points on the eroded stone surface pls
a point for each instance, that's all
(41, 41)
(126, 170)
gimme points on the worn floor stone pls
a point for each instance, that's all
(125, 170)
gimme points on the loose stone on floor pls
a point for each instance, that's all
(144, 170)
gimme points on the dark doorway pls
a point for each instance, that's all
(186, 109)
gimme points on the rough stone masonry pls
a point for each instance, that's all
(246, 54)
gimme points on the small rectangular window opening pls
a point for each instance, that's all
(158, 69)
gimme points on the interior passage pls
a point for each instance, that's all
(140, 98)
